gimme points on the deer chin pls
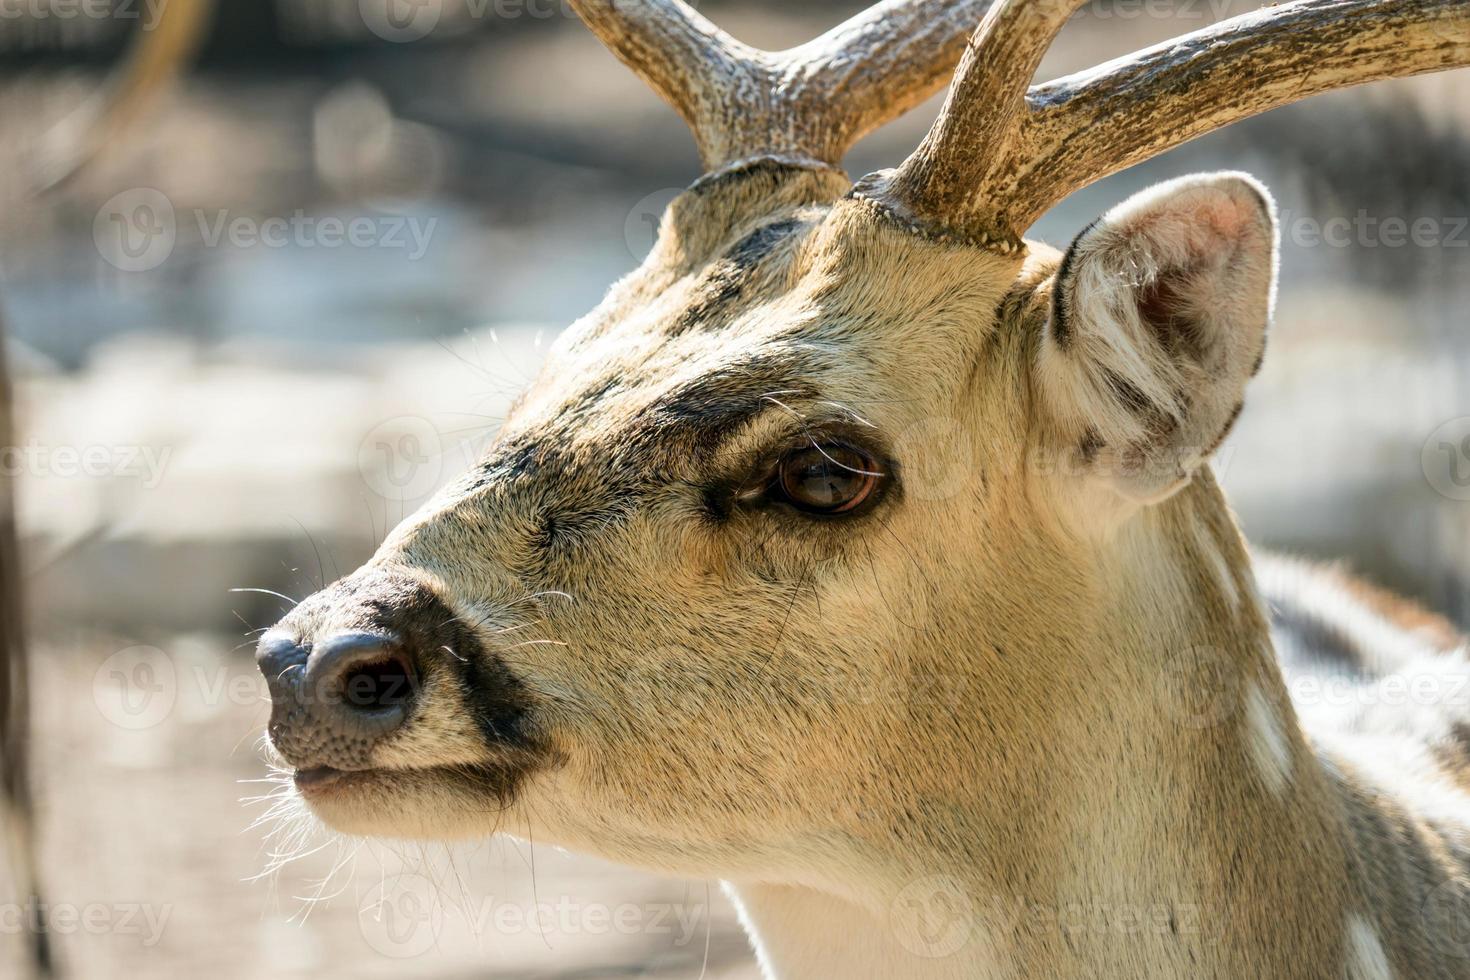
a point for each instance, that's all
(431, 803)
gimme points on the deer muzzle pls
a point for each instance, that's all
(356, 667)
(334, 700)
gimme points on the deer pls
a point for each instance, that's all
(865, 555)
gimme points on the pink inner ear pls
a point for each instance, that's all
(1167, 309)
(1196, 224)
(1225, 216)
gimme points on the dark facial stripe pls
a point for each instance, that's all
(717, 290)
(493, 696)
(725, 278)
(404, 606)
(755, 247)
(706, 411)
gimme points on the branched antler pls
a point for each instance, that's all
(1003, 151)
(810, 102)
(996, 159)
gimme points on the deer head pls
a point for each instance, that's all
(847, 539)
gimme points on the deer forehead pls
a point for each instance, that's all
(826, 304)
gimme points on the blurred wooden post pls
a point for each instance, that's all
(15, 742)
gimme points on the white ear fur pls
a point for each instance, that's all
(1159, 316)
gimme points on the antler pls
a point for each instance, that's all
(811, 102)
(1000, 154)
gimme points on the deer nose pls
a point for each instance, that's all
(334, 700)
(367, 673)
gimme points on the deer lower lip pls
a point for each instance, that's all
(325, 779)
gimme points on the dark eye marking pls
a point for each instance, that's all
(698, 416)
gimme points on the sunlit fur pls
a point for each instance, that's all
(1011, 673)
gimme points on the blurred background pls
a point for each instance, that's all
(295, 293)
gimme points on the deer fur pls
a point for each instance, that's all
(980, 687)
(1023, 717)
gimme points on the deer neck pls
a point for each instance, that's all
(1142, 805)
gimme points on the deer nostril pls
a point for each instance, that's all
(379, 684)
(367, 675)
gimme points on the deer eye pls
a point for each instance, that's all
(832, 478)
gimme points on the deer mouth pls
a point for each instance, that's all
(331, 787)
(320, 783)
(323, 780)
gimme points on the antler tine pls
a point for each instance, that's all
(809, 103)
(951, 173)
(1092, 124)
(874, 67)
(995, 161)
(688, 61)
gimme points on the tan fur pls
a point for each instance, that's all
(1079, 727)
(1022, 717)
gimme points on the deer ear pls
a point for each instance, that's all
(1159, 314)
